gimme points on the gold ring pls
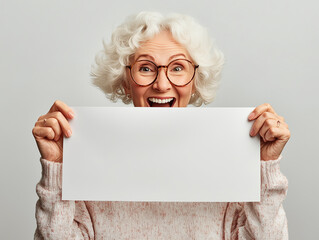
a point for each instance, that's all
(278, 124)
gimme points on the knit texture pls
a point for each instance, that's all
(57, 219)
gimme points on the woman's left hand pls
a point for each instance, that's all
(273, 131)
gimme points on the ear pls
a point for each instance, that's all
(193, 88)
(127, 89)
(126, 84)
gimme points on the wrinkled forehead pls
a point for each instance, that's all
(161, 48)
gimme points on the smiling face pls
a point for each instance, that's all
(162, 49)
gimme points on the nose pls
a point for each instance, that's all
(162, 84)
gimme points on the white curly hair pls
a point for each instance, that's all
(108, 72)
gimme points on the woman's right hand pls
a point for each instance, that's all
(48, 131)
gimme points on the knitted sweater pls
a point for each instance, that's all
(57, 219)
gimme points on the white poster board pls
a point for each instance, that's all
(161, 154)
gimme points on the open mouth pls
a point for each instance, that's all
(161, 102)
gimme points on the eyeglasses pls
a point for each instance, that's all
(179, 72)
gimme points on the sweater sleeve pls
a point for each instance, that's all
(57, 219)
(265, 219)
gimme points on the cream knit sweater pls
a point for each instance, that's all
(57, 219)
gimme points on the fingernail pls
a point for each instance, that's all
(69, 133)
(251, 132)
(251, 116)
(71, 114)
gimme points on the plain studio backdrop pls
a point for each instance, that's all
(47, 48)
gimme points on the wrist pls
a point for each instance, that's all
(270, 158)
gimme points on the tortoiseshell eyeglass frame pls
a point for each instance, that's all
(163, 66)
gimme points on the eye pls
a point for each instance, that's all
(145, 69)
(177, 68)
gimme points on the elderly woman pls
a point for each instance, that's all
(156, 61)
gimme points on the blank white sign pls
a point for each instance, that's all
(161, 154)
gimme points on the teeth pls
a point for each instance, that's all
(157, 100)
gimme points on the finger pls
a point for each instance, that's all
(266, 107)
(276, 133)
(266, 118)
(63, 108)
(43, 132)
(268, 123)
(64, 124)
(259, 122)
(54, 124)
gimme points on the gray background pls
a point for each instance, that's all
(47, 47)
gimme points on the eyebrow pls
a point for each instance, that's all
(147, 56)
(153, 59)
(176, 55)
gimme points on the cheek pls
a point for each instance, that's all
(138, 92)
(138, 96)
(135, 90)
(185, 93)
